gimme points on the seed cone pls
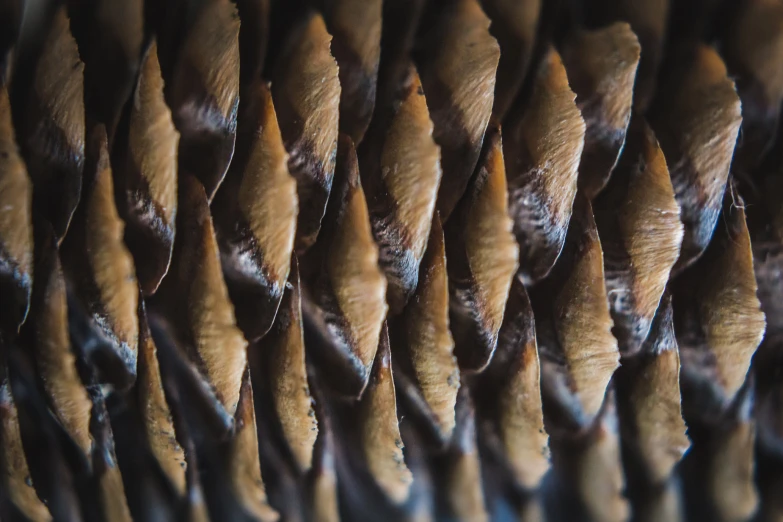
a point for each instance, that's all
(408, 261)
(16, 227)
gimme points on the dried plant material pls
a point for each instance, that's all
(457, 61)
(97, 259)
(350, 288)
(288, 375)
(639, 224)
(156, 413)
(731, 323)
(323, 485)
(515, 25)
(649, 396)
(697, 127)
(243, 459)
(463, 489)
(581, 353)
(204, 93)
(356, 26)
(599, 472)
(54, 132)
(109, 488)
(148, 176)
(482, 258)
(542, 162)
(754, 51)
(428, 340)
(649, 21)
(402, 200)
(253, 38)
(512, 393)
(601, 67)
(111, 40)
(206, 323)
(307, 98)
(54, 358)
(16, 227)
(255, 216)
(15, 474)
(729, 474)
(380, 433)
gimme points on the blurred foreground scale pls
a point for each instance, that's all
(344, 260)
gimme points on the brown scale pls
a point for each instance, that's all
(459, 471)
(356, 26)
(16, 227)
(457, 59)
(649, 20)
(509, 403)
(401, 175)
(482, 259)
(288, 375)
(426, 371)
(639, 225)
(306, 91)
(156, 413)
(204, 93)
(542, 160)
(579, 353)
(244, 470)
(754, 50)
(55, 360)
(96, 259)
(696, 121)
(719, 321)
(589, 465)
(195, 297)
(601, 66)
(515, 25)
(347, 301)
(146, 166)
(380, 438)
(53, 134)
(15, 474)
(652, 428)
(255, 215)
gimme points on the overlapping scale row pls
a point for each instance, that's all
(412, 260)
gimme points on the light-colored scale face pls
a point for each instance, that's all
(110, 262)
(267, 195)
(410, 166)
(219, 343)
(491, 249)
(244, 464)
(464, 65)
(157, 416)
(429, 340)
(59, 82)
(730, 312)
(55, 358)
(583, 322)
(153, 140)
(16, 197)
(358, 284)
(15, 470)
(380, 432)
(543, 186)
(288, 377)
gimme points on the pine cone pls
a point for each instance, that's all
(347, 260)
